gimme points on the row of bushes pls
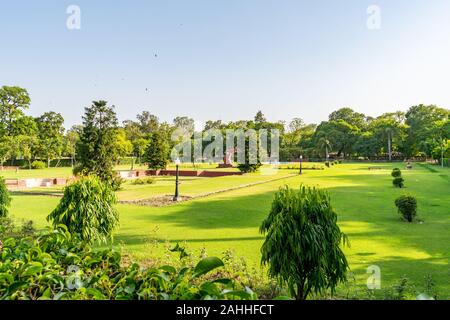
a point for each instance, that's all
(332, 163)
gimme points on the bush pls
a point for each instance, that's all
(302, 245)
(5, 199)
(87, 209)
(38, 165)
(398, 182)
(9, 229)
(142, 181)
(396, 172)
(248, 168)
(407, 207)
(63, 267)
(327, 163)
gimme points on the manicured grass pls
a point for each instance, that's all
(363, 199)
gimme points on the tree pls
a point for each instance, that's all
(185, 124)
(324, 144)
(157, 152)
(6, 144)
(302, 245)
(50, 134)
(97, 148)
(139, 146)
(441, 135)
(124, 146)
(260, 118)
(421, 121)
(27, 145)
(147, 122)
(71, 140)
(5, 199)
(13, 100)
(353, 118)
(87, 209)
(388, 128)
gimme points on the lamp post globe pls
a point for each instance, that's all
(301, 167)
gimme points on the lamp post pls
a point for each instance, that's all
(301, 160)
(176, 196)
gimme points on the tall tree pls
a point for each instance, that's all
(97, 148)
(157, 152)
(50, 133)
(13, 100)
(148, 123)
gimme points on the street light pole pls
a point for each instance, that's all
(301, 160)
(176, 196)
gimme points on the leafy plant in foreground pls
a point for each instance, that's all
(5, 199)
(407, 207)
(63, 267)
(302, 245)
(87, 209)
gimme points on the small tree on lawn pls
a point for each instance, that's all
(157, 152)
(5, 199)
(87, 209)
(407, 207)
(97, 149)
(302, 245)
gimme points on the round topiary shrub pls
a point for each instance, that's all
(396, 172)
(87, 209)
(5, 199)
(398, 182)
(407, 207)
(37, 165)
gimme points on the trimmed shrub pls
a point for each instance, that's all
(38, 165)
(327, 163)
(5, 199)
(407, 207)
(396, 172)
(398, 182)
(87, 209)
(142, 181)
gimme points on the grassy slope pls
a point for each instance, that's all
(363, 199)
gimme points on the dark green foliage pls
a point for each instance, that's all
(398, 182)
(302, 245)
(407, 207)
(157, 152)
(5, 199)
(327, 163)
(97, 148)
(396, 172)
(87, 209)
(142, 181)
(63, 267)
(9, 229)
(37, 165)
(248, 168)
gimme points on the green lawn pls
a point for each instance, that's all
(363, 199)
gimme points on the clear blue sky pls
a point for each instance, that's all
(225, 59)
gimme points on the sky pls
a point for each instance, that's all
(227, 59)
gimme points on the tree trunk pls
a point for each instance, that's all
(389, 147)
